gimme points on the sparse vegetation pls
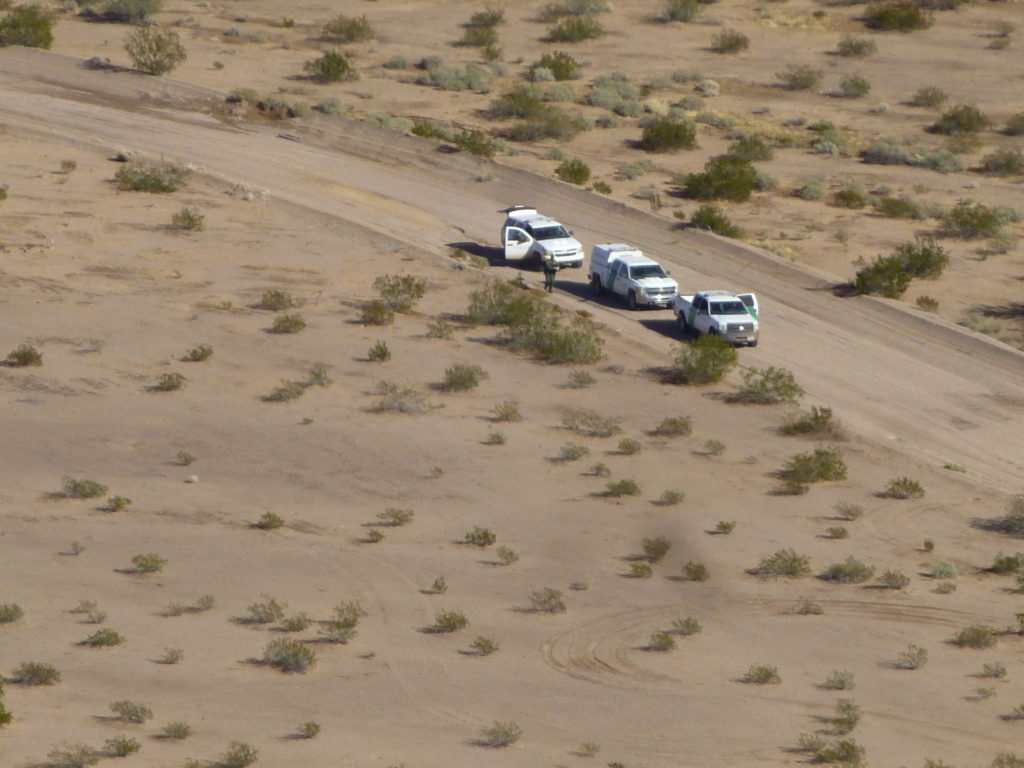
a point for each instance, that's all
(799, 77)
(239, 754)
(854, 86)
(176, 730)
(27, 25)
(158, 176)
(896, 16)
(149, 562)
(725, 177)
(624, 487)
(82, 488)
(10, 612)
(963, 118)
(291, 323)
(903, 488)
(573, 170)
(449, 621)
(507, 555)
(547, 600)
(725, 527)
(131, 711)
(665, 134)
(289, 655)
(348, 29)
(276, 300)
(767, 386)
(856, 46)
(714, 219)
(103, 638)
(575, 29)
(153, 50)
(400, 292)
(695, 571)
(269, 521)
(784, 562)
(267, 611)
(395, 517)
(24, 355)
(892, 579)
(480, 537)
(850, 571)
(661, 642)
(686, 626)
(704, 361)
(975, 636)
(500, 734)
(656, 547)
(72, 756)
(912, 657)
(729, 41)
(762, 674)
(674, 426)
(839, 680)
(34, 673)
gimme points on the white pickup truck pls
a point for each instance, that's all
(530, 238)
(623, 269)
(720, 313)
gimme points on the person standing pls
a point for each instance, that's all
(550, 268)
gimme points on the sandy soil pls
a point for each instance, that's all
(113, 297)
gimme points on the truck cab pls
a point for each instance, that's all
(624, 270)
(530, 238)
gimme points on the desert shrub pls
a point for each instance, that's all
(176, 730)
(821, 464)
(995, 670)
(818, 421)
(276, 300)
(572, 452)
(884, 276)
(942, 570)
(269, 521)
(463, 377)
(376, 312)
(975, 636)
(784, 562)
(962, 118)
(624, 487)
(292, 323)
(287, 390)
(725, 527)
(573, 170)
(5, 714)
(169, 382)
(729, 41)
(348, 29)
(103, 638)
(24, 355)
(854, 86)
(199, 353)
(449, 621)
(714, 447)
(846, 717)
(331, 67)
(1007, 563)
(799, 77)
(903, 488)
(575, 29)
(74, 488)
(72, 756)
(850, 571)
(714, 219)
(927, 303)
(131, 711)
(893, 580)
(507, 555)
(153, 50)
(395, 517)
(856, 46)
(912, 657)
(850, 196)
(612, 91)
(896, 15)
(686, 626)
(671, 497)
(761, 674)
(561, 65)
(628, 446)
(656, 547)
(475, 143)
(839, 680)
(887, 151)
(472, 77)
(289, 655)
(704, 361)
(308, 730)
(1003, 162)
(768, 385)
(929, 96)
(724, 178)
(501, 734)
(661, 642)
(35, 673)
(580, 379)
(507, 410)
(547, 600)
(750, 148)
(969, 219)
(28, 25)
(151, 175)
(923, 257)
(679, 10)
(837, 532)
(148, 562)
(341, 627)
(695, 571)
(265, 612)
(400, 292)
(479, 36)
(1015, 125)
(239, 754)
(664, 134)
(379, 352)
(898, 207)
(10, 612)
(674, 426)
(480, 537)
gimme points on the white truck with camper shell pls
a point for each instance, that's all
(531, 238)
(719, 313)
(624, 270)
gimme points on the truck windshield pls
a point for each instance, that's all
(550, 232)
(728, 308)
(647, 270)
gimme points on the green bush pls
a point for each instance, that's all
(854, 86)
(151, 175)
(724, 178)
(923, 257)
(656, 547)
(24, 355)
(475, 143)
(153, 50)
(850, 571)
(704, 361)
(903, 488)
(695, 571)
(269, 521)
(680, 10)
(975, 636)
(199, 354)
(850, 196)
(103, 638)
(962, 118)
(238, 755)
(499, 735)
(348, 29)
(447, 622)
(625, 487)
(1003, 162)
(82, 489)
(72, 756)
(169, 382)
(331, 67)
(664, 134)
(29, 25)
(561, 65)
(276, 300)
(629, 447)
(884, 276)
(969, 219)
(573, 170)
(856, 46)
(818, 421)
(289, 655)
(799, 77)
(131, 711)
(714, 219)
(1007, 563)
(750, 148)
(491, 17)
(10, 612)
(767, 386)
(400, 292)
(148, 562)
(376, 312)
(287, 324)
(784, 562)
(898, 207)
(547, 600)
(462, 377)
(121, 746)
(896, 16)
(762, 674)
(686, 626)
(130, 11)
(35, 673)
(575, 29)
(674, 426)
(1015, 125)
(821, 464)
(480, 537)
(929, 96)
(474, 36)
(729, 41)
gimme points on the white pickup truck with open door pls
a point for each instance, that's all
(530, 238)
(719, 313)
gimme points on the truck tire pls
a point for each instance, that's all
(753, 343)
(595, 285)
(631, 300)
(683, 326)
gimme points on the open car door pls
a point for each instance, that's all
(750, 302)
(517, 242)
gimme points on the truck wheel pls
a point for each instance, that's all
(753, 343)
(595, 285)
(631, 300)
(681, 318)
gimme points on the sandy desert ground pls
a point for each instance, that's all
(113, 297)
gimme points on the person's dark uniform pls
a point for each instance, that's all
(550, 269)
